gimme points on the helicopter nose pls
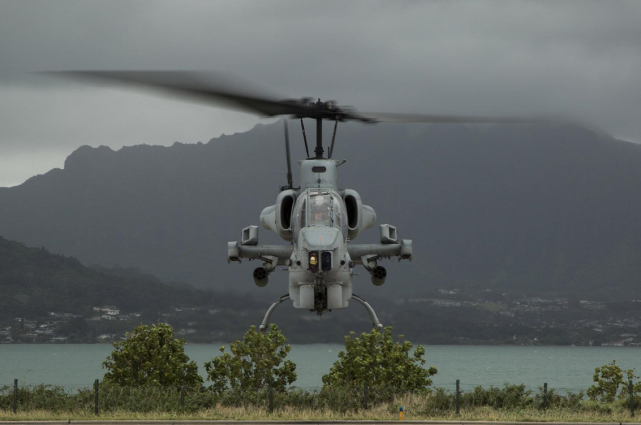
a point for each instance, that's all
(321, 237)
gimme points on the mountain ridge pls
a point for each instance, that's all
(508, 207)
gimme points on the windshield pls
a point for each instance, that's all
(326, 209)
(320, 210)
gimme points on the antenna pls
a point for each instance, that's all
(289, 160)
(304, 137)
(331, 148)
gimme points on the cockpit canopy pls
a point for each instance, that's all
(318, 207)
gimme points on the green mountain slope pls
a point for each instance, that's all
(34, 282)
(518, 208)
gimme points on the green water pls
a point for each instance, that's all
(568, 368)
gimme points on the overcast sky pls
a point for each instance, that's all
(577, 58)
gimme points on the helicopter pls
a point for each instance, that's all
(318, 220)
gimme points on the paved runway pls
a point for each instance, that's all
(125, 422)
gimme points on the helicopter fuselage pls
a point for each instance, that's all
(320, 274)
(319, 220)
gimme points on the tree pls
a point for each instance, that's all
(151, 356)
(253, 362)
(608, 379)
(376, 360)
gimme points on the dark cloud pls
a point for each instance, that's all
(487, 57)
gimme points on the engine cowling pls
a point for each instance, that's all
(278, 217)
(359, 216)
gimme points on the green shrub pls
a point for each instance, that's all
(374, 359)
(609, 380)
(439, 400)
(151, 356)
(253, 363)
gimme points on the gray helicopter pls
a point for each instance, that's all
(318, 220)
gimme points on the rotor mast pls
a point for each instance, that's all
(319, 138)
(326, 112)
(319, 130)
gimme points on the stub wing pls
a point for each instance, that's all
(236, 251)
(402, 250)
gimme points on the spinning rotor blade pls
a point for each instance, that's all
(417, 118)
(214, 89)
(202, 87)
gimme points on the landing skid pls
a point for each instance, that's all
(370, 310)
(270, 310)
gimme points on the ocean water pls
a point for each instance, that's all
(564, 368)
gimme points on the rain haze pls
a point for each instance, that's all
(577, 59)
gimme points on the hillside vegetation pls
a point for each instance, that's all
(531, 209)
(34, 281)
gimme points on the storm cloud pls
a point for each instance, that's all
(574, 58)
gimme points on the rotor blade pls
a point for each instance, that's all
(203, 87)
(212, 88)
(391, 117)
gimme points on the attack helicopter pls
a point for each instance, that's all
(318, 219)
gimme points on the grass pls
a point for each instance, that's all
(227, 413)
(383, 412)
(511, 403)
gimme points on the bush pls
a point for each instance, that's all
(608, 379)
(38, 397)
(440, 400)
(151, 356)
(508, 397)
(253, 363)
(558, 401)
(376, 360)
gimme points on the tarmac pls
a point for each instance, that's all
(130, 422)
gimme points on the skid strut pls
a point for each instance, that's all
(271, 309)
(370, 310)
